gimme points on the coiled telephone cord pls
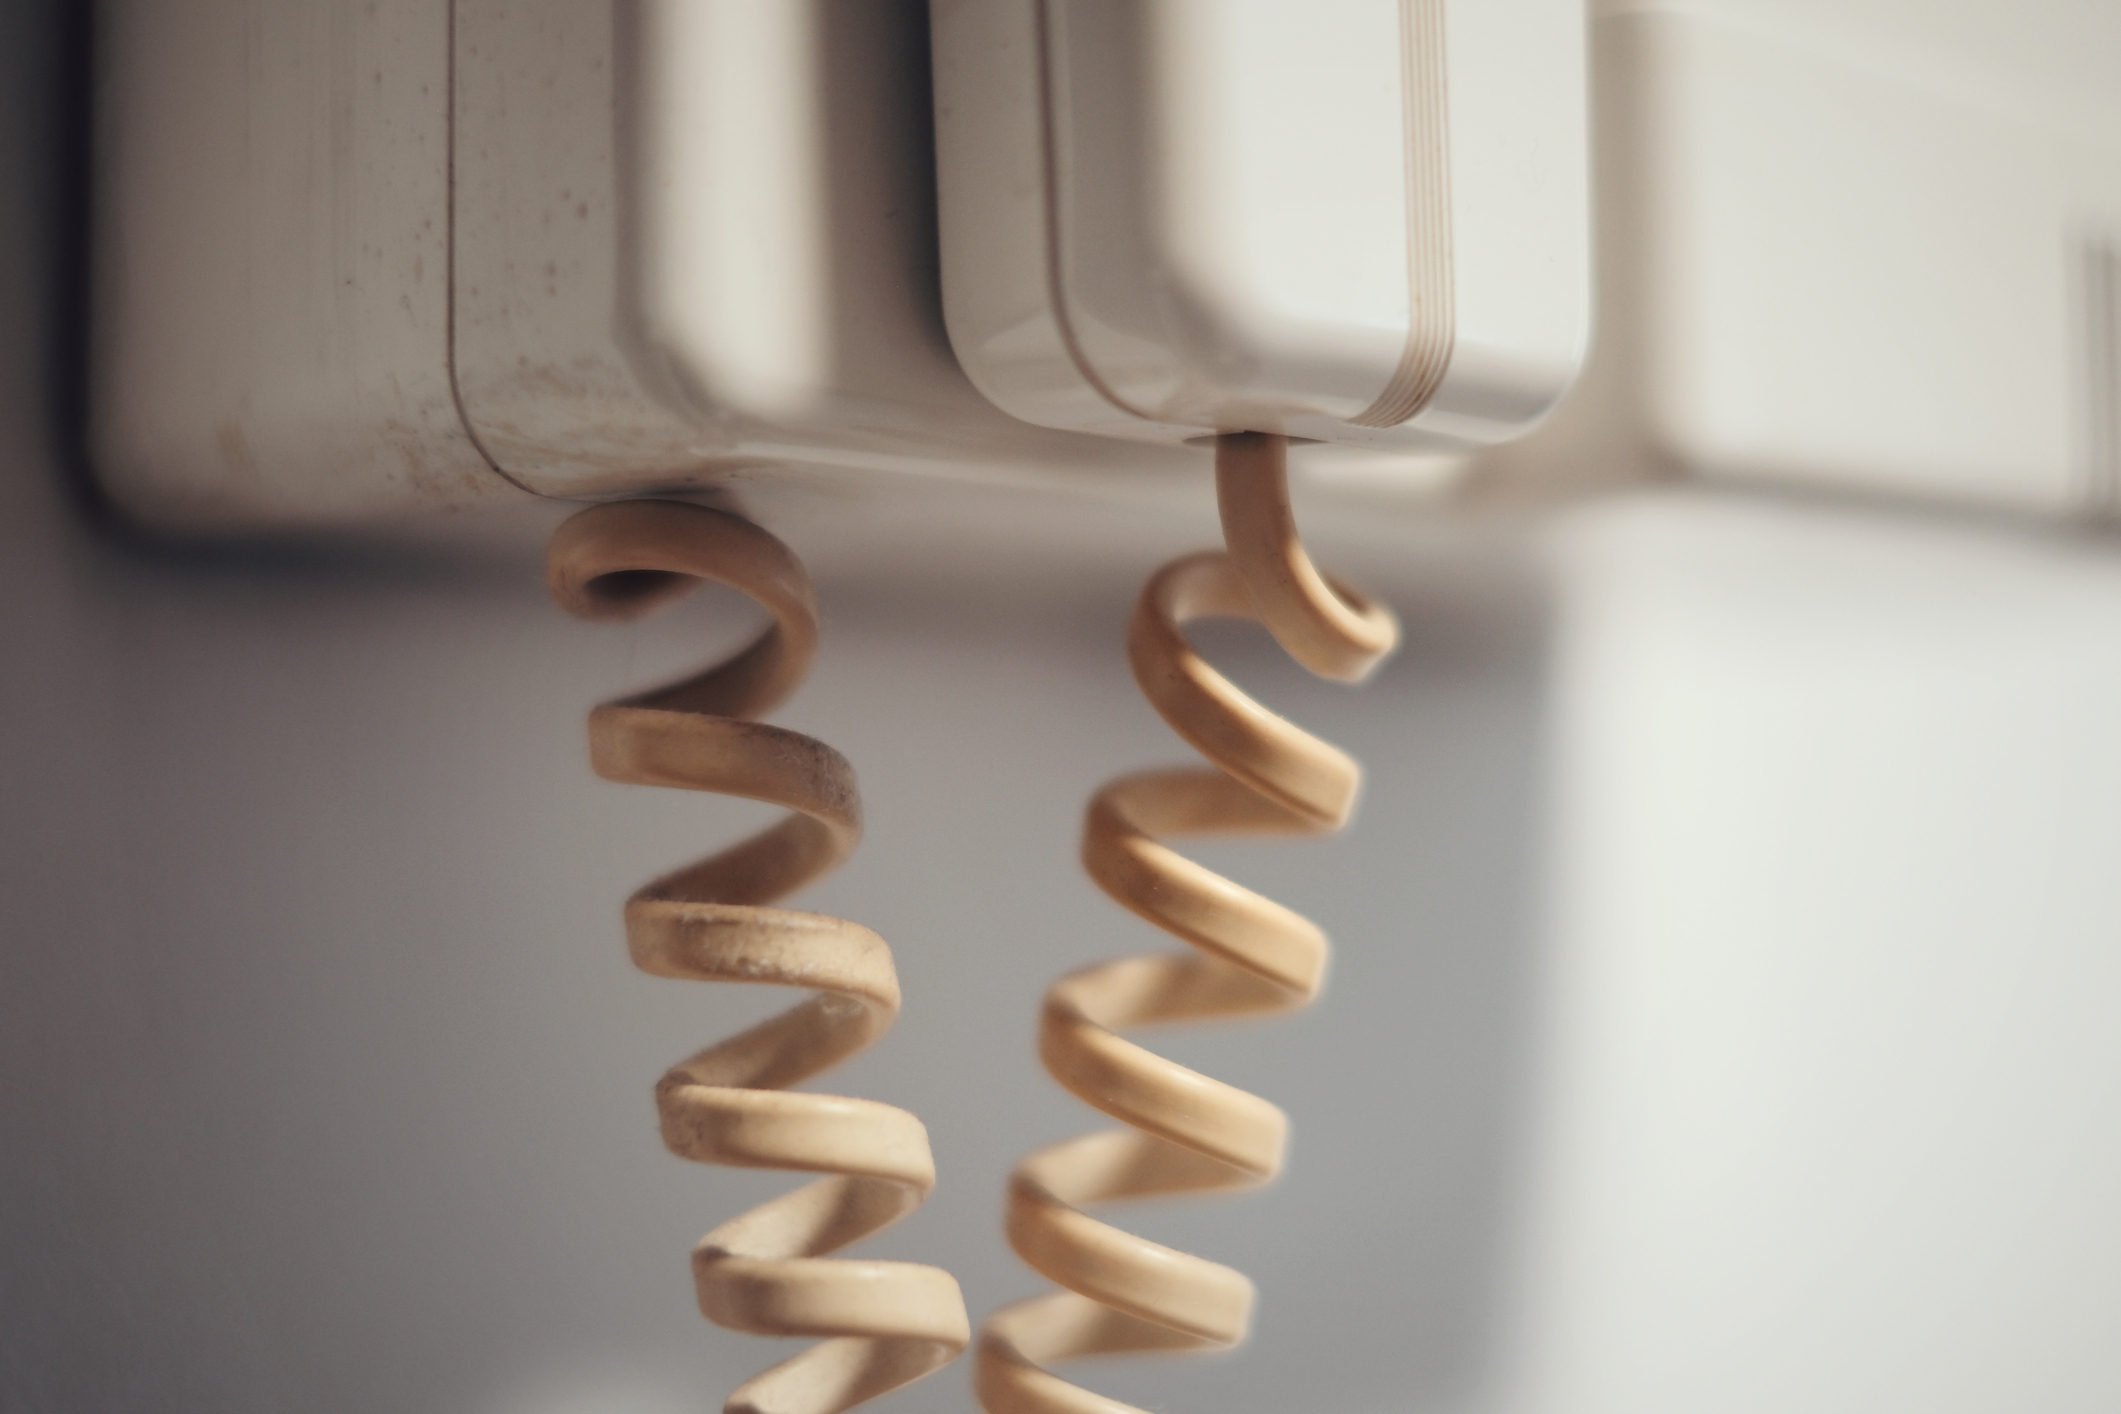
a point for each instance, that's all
(1189, 1133)
(884, 1323)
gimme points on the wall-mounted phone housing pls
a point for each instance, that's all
(1360, 221)
(398, 266)
(413, 265)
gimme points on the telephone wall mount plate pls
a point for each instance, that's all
(414, 266)
(1362, 221)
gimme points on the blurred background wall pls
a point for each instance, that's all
(1722, 1016)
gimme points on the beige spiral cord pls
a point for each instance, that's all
(1189, 1133)
(884, 1323)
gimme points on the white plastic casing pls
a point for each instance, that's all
(271, 245)
(410, 267)
(1351, 220)
(694, 240)
(403, 265)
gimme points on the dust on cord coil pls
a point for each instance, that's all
(767, 1272)
(1187, 1132)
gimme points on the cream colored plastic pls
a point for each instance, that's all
(1359, 221)
(691, 241)
(694, 239)
(271, 324)
(1185, 1132)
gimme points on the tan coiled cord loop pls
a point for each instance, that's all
(1189, 1133)
(885, 1323)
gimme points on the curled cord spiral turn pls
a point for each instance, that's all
(1189, 1133)
(885, 1323)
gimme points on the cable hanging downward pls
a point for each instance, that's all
(1187, 1133)
(884, 1323)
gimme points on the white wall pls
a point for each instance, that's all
(1828, 1108)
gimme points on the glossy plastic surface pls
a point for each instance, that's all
(1361, 221)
